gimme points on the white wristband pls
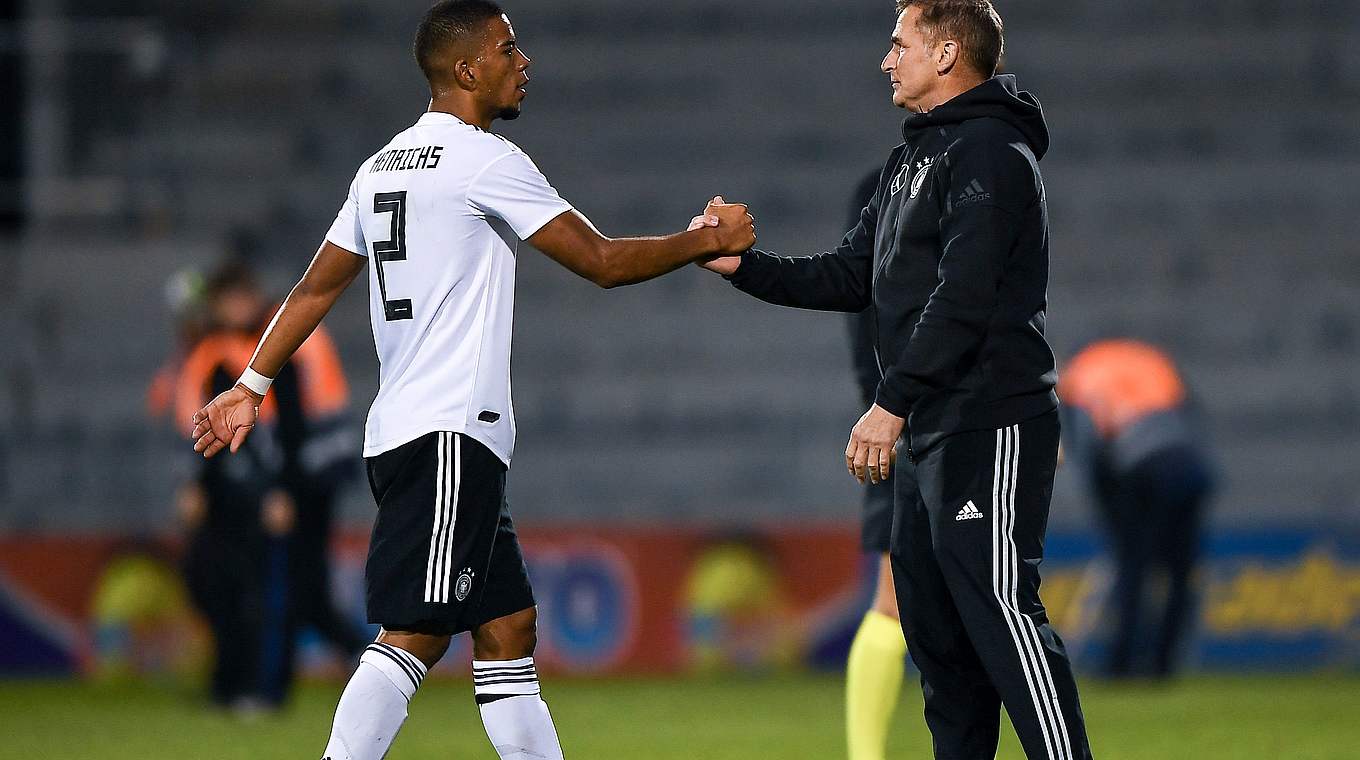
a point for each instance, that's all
(255, 382)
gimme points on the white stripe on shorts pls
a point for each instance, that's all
(447, 470)
(451, 510)
(438, 521)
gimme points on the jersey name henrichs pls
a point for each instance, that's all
(401, 159)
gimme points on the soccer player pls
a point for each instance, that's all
(435, 217)
(952, 256)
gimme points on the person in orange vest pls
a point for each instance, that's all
(309, 461)
(1132, 427)
(235, 510)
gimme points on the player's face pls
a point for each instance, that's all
(910, 63)
(504, 69)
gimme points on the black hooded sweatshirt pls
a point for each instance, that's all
(952, 256)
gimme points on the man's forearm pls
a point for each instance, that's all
(572, 241)
(839, 280)
(291, 326)
(626, 261)
(825, 282)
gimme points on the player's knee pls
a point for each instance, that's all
(428, 648)
(507, 638)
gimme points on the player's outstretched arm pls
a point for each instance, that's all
(572, 241)
(229, 418)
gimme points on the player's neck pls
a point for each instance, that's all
(467, 111)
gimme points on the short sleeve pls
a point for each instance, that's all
(346, 231)
(513, 189)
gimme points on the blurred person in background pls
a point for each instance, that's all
(311, 461)
(236, 511)
(873, 672)
(1130, 424)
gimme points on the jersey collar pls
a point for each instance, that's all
(443, 117)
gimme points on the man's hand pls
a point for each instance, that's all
(873, 445)
(191, 502)
(278, 514)
(718, 214)
(736, 230)
(701, 221)
(225, 421)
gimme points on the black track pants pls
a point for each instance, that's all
(966, 548)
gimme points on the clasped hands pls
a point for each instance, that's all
(730, 220)
(872, 450)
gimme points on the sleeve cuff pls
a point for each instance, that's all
(349, 246)
(743, 273)
(542, 220)
(891, 401)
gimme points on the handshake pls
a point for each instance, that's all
(735, 229)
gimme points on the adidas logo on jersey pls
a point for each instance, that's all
(973, 194)
(969, 512)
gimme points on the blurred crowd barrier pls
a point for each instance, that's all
(646, 600)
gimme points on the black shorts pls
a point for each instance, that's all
(875, 534)
(444, 557)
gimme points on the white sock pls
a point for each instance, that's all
(516, 717)
(373, 705)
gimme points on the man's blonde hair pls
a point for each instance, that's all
(974, 24)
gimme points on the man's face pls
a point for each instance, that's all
(910, 63)
(502, 69)
(238, 308)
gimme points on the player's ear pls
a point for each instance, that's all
(946, 55)
(464, 74)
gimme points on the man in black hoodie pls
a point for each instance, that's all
(951, 255)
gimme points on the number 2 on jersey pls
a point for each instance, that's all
(392, 249)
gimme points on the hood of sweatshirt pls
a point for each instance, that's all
(996, 98)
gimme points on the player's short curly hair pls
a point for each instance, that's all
(449, 22)
(974, 24)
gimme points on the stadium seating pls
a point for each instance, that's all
(1202, 195)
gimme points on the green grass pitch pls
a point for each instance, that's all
(1201, 718)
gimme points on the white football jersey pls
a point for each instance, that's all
(439, 212)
